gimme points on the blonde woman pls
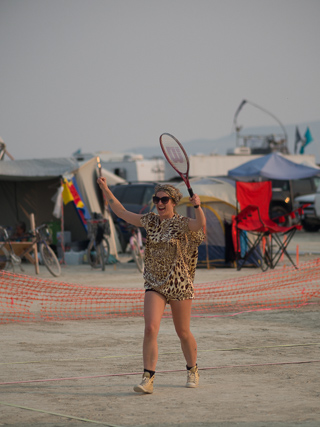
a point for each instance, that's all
(171, 255)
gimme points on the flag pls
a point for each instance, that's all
(75, 196)
(57, 199)
(66, 193)
(307, 139)
(297, 140)
(70, 194)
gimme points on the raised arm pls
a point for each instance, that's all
(200, 219)
(116, 206)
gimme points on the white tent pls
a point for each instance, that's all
(86, 178)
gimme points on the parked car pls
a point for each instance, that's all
(285, 192)
(136, 197)
(311, 214)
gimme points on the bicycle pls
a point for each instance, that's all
(136, 246)
(40, 236)
(98, 249)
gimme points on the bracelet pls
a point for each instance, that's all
(197, 206)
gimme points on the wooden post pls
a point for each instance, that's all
(35, 248)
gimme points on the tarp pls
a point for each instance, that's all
(37, 169)
(219, 204)
(273, 166)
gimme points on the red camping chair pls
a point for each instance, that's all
(258, 239)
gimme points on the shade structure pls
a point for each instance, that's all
(273, 166)
(31, 186)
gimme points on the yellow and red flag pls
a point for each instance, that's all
(70, 194)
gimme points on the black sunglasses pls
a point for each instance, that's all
(164, 200)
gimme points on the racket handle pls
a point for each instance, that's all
(191, 195)
(190, 191)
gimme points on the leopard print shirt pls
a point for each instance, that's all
(171, 256)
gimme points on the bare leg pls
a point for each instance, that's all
(181, 314)
(154, 305)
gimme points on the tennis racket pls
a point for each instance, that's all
(177, 157)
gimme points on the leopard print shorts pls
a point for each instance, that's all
(178, 294)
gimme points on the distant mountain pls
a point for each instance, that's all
(222, 145)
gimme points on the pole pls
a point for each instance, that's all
(63, 261)
(35, 248)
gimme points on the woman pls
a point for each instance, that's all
(171, 255)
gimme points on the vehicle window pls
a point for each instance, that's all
(148, 195)
(118, 192)
(133, 194)
(280, 185)
(302, 186)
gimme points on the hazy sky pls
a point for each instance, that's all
(115, 74)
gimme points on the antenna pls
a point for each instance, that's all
(238, 128)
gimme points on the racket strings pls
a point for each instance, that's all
(174, 153)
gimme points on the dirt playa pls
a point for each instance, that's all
(256, 369)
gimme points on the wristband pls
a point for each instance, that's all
(197, 206)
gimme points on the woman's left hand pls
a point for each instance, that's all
(195, 200)
(199, 221)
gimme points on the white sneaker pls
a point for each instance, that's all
(193, 377)
(146, 385)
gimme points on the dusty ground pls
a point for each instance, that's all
(251, 364)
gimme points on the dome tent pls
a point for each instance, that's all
(219, 204)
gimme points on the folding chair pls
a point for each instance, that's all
(258, 239)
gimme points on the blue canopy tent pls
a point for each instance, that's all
(273, 166)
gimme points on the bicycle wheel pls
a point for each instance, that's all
(4, 258)
(98, 255)
(104, 252)
(136, 253)
(50, 260)
(92, 254)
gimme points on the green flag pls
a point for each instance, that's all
(307, 139)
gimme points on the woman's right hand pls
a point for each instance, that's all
(102, 182)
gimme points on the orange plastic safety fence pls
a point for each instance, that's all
(24, 298)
